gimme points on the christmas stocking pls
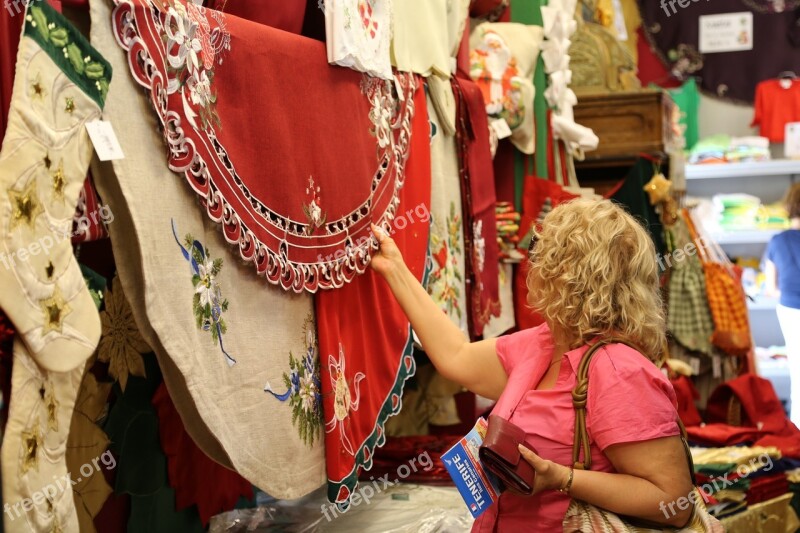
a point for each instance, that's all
(60, 84)
(36, 486)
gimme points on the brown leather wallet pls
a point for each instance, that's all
(500, 454)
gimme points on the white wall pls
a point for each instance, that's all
(720, 116)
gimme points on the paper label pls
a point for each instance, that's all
(104, 140)
(729, 32)
(792, 146)
(694, 363)
(501, 128)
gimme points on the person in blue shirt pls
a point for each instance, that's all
(783, 277)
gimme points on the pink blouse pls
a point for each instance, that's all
(629, 400)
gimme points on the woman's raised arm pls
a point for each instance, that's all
(474, 366)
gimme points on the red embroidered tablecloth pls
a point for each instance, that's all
(293, 158)
(365, 341)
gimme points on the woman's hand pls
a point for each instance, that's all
(549, 475)
(388, 258)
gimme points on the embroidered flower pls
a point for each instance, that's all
(343, 402)
(303, 388)
(480, 245)
(182, 43)
(207, 303)
(200, 89)
(313, 210)
(445, 280)
(121, 344)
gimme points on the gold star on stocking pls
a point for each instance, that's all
(31, 441)
(37, 89)
(59, 180)
(69, 105)
(51, 405)
(25, 206)
(54, 310)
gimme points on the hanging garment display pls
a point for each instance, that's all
(446, 283)
(502, 62)
(358, 35)
(689, 318)
(419, 43)
(195, 307)
(479, 199)
(777, 104)
(60, 86)
(310, 232)
(36, 483)
(363, 375)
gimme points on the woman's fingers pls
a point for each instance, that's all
(531, 457)
(380, 234)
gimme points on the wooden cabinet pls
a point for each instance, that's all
(627, 123)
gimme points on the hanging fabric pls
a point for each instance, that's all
(246, 389)
(358, 35)
(363, 375)
(297, 225)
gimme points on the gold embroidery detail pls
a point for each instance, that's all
(49, 269)
(31, 441)
(51, 404)
(25, 206)
(54, 310)
(59, 180)
(69, 106)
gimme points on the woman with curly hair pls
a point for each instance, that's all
(593, 275)
(783, 278)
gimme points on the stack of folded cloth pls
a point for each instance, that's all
(727, 149)
(507, 232)
(737, 477)
(737, 211)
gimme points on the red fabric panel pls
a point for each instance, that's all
(651, 69)
(504, 172)
(197, 480)
(365, 340)
(479, 198)
(293, 183)
(10, 30)
(687, 394)
(287, 16)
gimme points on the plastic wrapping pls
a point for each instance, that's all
(403, 508)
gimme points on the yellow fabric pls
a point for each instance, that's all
(734, 454)
(773, 516)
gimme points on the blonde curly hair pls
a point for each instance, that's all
(593, 272)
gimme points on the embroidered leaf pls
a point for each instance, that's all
(103, 86)
(75, 57)
(59, 37)
(95, 71)
(40, 21)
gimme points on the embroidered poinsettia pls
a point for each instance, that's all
(208, 301)
(121, 344)
(200, 89)
(382, 109)
(445, 279)
(182, 43)
(87, 441)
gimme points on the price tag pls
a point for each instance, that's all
(694, 363)
(501, 128)
(104, 140)
(792, 146)
(716, 364)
